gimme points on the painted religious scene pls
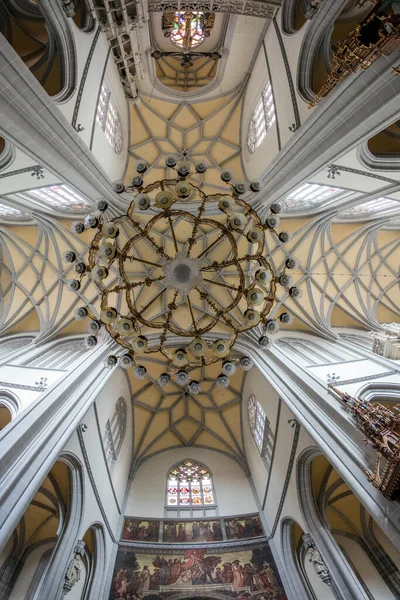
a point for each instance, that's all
(240, 528)
(137, 530)
(192, 531)
(246, 573)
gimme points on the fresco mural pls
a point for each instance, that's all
(243, 527)
(245, 573)
(192, 531)
(171, 531)
(141, 531)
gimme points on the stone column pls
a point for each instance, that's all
(32, 442)
(358, 108)
(31, 120)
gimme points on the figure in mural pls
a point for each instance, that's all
(192, 531)
(247, 573)
(136, 530)
(241, 528)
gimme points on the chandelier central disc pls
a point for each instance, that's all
(182, 273)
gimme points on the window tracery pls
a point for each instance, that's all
(109, 120)
(262, 119)
(189, 483)
(114, 433)
(378, 205)
(259, 423)
(12, 214)
(59, 197)
(311, 196)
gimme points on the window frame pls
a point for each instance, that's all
(190, 511)
(109, 119)
(262, 440)
(262, 118)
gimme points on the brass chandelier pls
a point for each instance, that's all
(190, 259)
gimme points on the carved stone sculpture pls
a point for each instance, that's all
(316, 559)
(74, 570)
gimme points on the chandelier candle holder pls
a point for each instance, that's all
(163, 273)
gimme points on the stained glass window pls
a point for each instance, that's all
(12, 214)
(114, 433)
(60, 197)
(257, 421)
(379, 205)
(187, 31)
(312, 195)
(262, 119)
(108, 118)
(190, 484)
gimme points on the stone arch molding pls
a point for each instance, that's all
(10, 401)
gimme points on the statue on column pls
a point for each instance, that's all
(316, 559)
(74, 570)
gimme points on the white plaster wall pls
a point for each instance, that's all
(365, 568)
(255, 383)
(28, 572)
(116, 387)
(147, 493)
(26, 376)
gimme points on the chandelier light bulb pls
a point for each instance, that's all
(246, 363)
(69, 256)
(255, 185)
(140, 372)
(73, 285)
(80, 268)
(237, 221)
(139, 344)
(222, 381)
(285, 280)
(101, 205)
(125, 361)
(94, 326)
(226, 204)
(164, 199)
(285, 237)
(111, 361)
(286, 318)
(252, 317)
(272, 326)
(77, 227)
(183, 189)
(228, 368)
(81, 313)
(125, 327)
(272, 222)
(198, 347)
(91, 221)
(180, 358)
(137, 181)
(255, 235)
(221, 348)
(295, 292)
(182, 377)
(164, 380)
(90, 341)
(265, 342)
(201, 167)
(255, 297)
(194, 387)
(183, 170)
(99, 273)
(240, 187)
(118, 187)
(108, 315)
(141, 166)
(263, 276)
(110, 230)
(142, 201)
(275, 208)
(226, 176)
(107, 251)
(291, 263)
(170, 161)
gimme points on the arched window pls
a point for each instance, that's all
(190, 485)
(259, 424)
(114, 434)
(262, 119)
(109, 120)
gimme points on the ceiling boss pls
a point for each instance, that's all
(182, 282)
